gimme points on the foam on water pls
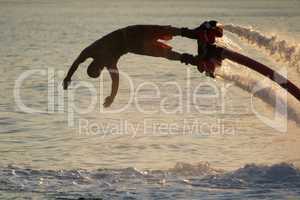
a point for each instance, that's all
(130, 182)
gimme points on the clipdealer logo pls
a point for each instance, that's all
(186, 97)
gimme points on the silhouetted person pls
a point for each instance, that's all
(143, 40)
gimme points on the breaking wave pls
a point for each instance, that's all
(252, 175)
(112, 183)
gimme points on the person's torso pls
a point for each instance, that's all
(111, 46)
(129, 39)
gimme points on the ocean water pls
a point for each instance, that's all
(167, 135)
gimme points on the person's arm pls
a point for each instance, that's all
(71, 71)
(206, 32)
(81, 58)
(114, 74)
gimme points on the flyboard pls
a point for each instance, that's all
(262, 69)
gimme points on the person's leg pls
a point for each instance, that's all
(206, 62)
(155, 32)
(161, 31)
(158, 49)
(152, 47)
(169, 31)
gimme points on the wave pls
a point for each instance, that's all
(278, 49)
(13, 178)
(281, 175)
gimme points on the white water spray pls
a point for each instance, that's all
(278, 49)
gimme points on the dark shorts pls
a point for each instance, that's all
(143, 39)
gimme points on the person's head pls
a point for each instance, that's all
(94, 69)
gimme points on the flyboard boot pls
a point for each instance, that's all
(209, 56)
